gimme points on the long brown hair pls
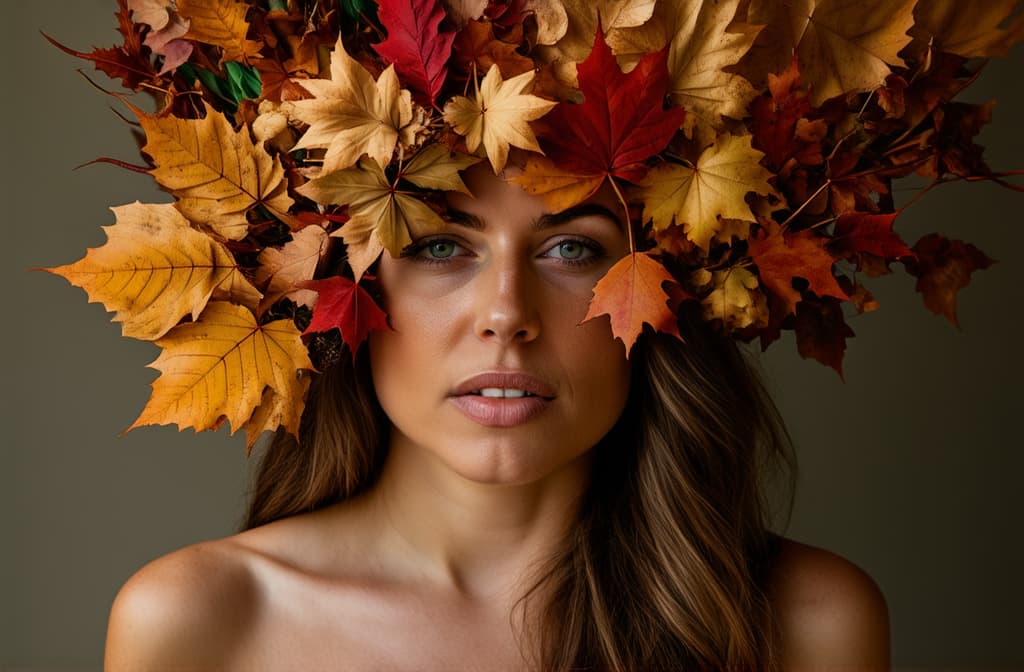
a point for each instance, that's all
(667, 565)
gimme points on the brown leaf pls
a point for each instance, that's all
(942, 268)
(780, 257)
(221, 23)
(295, 262)
(976, 29)
(736, 300)
(821, 332)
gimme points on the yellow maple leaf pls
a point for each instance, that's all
(276, 410)
(221, 23)
(218, 367)
(350, 114)
(216, 173)
(498, 116)
(577, 26)
(736, 300)
(715, 187)
(155, 269)
(294, 262)
(972, 30)
(842, 46)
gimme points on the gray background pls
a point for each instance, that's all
(909, 468)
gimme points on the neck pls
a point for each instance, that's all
(481, 539)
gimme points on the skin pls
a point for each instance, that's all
(422, 571)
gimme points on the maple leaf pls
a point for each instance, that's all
(377, 207)
(463, 11)
(351, 114)
(782, 256)
(276, 410)
(632, 293)
(942, 268)
(982, 29)
(217, 174)
(414, 45)
(581, 17)
(843, 46)
(344, 305)
(218, 367)
(821, 332)
(476, 46)
(621, 122)
(221, 23)
(295, 262)
(497, 117)
(857, 232)
(779, 125)
(715, 187)
(154, 269)
(736, 300)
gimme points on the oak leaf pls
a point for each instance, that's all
(295, 262)
(632, 293)
(217, 173)
(715, 187)
(155, 269)
(498, 116)
(221, 23)
(218, 367)
(418, 50)
(942, 268)
(736, 300)
(344, 305)
(351, 114)
(782, 256)
(978, 29)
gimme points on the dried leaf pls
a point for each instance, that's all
(276, 410)
(780, 257)
(221, 23)
(736, 300)
(982, 29)
(344, 305)
(942, 268)
(821, 332)
(286, 268)
(155, 269)
(414, 44)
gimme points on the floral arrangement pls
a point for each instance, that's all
(752, 144)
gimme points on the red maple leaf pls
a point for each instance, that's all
(942, 268)
(632, 293)
(859, 232)
(621, 122)
(821, 332)
(779, 124)
(346, 306)
(418, 50)
(780, 257)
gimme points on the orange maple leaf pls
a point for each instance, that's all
(221, 23)
(781, 257)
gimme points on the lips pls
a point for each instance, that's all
(502, 399)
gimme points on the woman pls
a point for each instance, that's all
(610, 519)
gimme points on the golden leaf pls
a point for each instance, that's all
(155, 269)
(498, 116)
(351, 114)
(557, 187)
(296, 261)
(974, 30)
(736, 300)
(577, 38)
(220, 23)
(716, 187)
(219, 366)
(216, 173)
(276, 410)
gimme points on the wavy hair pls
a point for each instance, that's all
(666, 568)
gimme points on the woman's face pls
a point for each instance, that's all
(489, 367)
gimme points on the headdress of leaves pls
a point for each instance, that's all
(753, 143)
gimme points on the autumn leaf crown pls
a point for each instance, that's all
(753, 145)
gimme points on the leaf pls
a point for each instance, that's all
(476, 46)
(295, 262)
(857, 233)
(155, 269)
(276, 410)
(166, 28)
(376, 207)
(942, 268)
(972, 30)
(218, 367)
(736, 300)
(843, 46)
(632, 293)
(217, 174)
(344, 305)
(557, 187)
(821, 332)
(779, 125)
(414, 45)
(580, 20)
(716, 187)
(221, 23)
(351, 114)
(621, 122)
(497, 117)
(437, 167)
(780, 257)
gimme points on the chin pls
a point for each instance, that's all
(511, 463)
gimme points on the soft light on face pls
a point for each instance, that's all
(488, 367)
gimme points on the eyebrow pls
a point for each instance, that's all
(465, 219)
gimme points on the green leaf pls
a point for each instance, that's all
(244, 81)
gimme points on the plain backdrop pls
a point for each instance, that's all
(911, 469)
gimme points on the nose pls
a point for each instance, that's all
(506, 303)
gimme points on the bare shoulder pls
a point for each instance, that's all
(830, 611)
(188, 610)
